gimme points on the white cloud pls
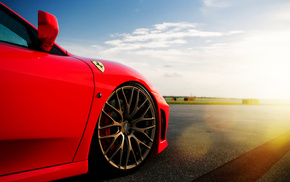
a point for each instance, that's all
(235, 32)
(161, 36)
(141, 31)
(216, 3)
(281, 12)
(283, 16)
(116, 42)
(249, 64)
(175, 26)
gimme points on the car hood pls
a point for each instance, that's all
(115, 74)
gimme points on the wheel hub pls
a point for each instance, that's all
(125, 127)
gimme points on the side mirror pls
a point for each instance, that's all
(47, 30)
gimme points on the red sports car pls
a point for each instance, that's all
(62, 115)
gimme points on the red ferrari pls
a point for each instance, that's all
(63, 115)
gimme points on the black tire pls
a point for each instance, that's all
(125, 132)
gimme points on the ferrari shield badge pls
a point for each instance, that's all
(99, 65)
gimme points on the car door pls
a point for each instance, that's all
(45, 100)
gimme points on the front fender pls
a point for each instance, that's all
(106, 82)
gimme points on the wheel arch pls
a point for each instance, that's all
(106, 82)
(98, 103)
(159, 112)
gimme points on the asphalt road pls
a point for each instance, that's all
(219, 143)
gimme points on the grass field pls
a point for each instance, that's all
(225, 101)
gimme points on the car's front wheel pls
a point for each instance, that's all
(126, 128)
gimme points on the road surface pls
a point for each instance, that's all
(219, 143)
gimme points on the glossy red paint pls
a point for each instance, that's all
(49, 110)
(45, 102)
(47, 30)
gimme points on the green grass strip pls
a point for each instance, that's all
(222, 103)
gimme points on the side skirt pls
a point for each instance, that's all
(50, 173)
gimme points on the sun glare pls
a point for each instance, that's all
(268, 57)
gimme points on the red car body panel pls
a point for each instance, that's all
(49, 110)
(45, 101)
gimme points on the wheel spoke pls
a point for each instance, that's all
(143, 129)
(140, 142)
(131, 98)
(115, 123)
(126, 104)
(129, 152)
(138, 146)
(141, 118)
(120, 147)
(145, 134)
(137, 108)
(118, 99)
(131, 149)
(115, 109)
(121, 157)
(136, 105)
(111, 136)
(143, 103)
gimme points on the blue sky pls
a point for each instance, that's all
(214, 48)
